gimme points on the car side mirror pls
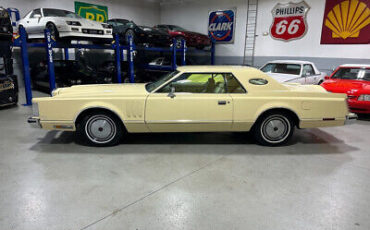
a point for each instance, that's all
(308, 74)
(37, 16)
(171, 94)
(326, 77)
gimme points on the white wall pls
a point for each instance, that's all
(193, 15)
(309, 45)
(141, 11)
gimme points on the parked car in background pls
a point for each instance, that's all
(303, 72)
(354, 80)
(192, 99)
(142, 35)
(67, 73)
(193, 39)
(63, 24)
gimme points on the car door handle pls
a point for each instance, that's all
(222, 102)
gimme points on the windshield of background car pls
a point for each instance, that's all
(59, 13)
(294, 69)
(176, 28)
(153, 85)
(353, 74)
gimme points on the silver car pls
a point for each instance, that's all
(303, 72)
(63, 23)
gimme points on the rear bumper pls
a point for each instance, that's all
(34, 122)
(350, 118)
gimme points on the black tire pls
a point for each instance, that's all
(100, 128)
(128, 33)
(273, 129)
(53, 30)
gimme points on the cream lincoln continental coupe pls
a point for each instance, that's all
(192, 99)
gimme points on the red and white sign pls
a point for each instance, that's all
(289, 21)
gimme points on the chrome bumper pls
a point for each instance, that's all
(34, 122)
(350, 118)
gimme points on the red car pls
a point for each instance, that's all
(192, 39)
(354, 80)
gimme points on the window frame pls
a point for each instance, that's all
(303, 71)
(181, 73)
(33, 13)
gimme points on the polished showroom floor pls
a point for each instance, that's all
(320, 180)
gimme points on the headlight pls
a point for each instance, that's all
(364, 97)
(35, 109)
(73, 23)
(106, 26)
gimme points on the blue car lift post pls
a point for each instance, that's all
(50, 44)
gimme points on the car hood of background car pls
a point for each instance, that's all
(191, 33)
(84, 22)
(353, 87)
(280, 77)
(151, 30)
(101, 90)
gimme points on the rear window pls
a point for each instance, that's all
(294, 69)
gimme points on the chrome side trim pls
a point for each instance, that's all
(188, 121)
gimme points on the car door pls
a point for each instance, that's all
(32, 22)
(309, 74)
(192, 102)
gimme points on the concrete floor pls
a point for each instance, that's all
(183, 181)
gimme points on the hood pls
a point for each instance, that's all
(151, 30)
(351, 87)
(101, 90)
(191, 33)
(280, 77)
(84, 22)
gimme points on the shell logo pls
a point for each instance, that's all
(347, 19)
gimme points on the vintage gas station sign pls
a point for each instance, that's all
(92, 11)
(221, 25)
(346, 22)
(289, 21)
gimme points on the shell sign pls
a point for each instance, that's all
(346, 22)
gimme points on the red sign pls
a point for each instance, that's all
(289, 21)
(346, 22)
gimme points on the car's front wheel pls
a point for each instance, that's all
(273, 129)
(100, 129)
(53, 30)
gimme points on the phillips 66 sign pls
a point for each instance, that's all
(289, 21)
(221, 25)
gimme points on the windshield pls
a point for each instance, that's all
(59, 13)
(294, 69)
(176, 28)
(153, 85)
(353, 74)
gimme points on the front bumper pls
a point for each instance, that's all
(350, 118)
(356, 106)
(34, 122)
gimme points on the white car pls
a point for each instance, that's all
(302, 72)
(63, 23)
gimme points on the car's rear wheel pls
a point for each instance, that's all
(101, 129)
(273, 129)
(53, 30)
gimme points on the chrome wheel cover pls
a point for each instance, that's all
(100, 129)
(275, 129)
